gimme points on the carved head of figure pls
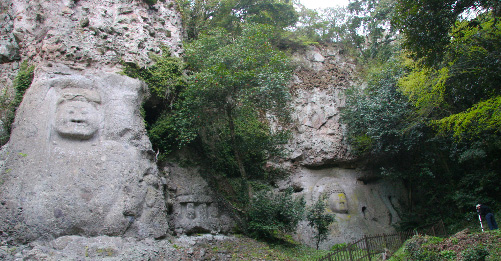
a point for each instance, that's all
(77, 115)
(338, 202)
(336, 199)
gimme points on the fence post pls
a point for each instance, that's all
(349, 252)
(368, 247)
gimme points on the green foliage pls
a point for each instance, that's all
(482, 117)
(439, 127)
(425, 88)
(319, 219)
(376, 114)
(476, 253)
(427, 24)
(237, 81)
(327, 25)
(337, 247)
(370, 29)
(202, 16)
(430, 240)
(167, 124)
(475, 246)
(415, 250)
(22, 82)
(467, 75)
(151, 2)
(361, 28)
(271, 213)
(448, 254)
(170, 132)
(164, 77)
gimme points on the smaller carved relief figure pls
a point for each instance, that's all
(77, 114)
(190, 211)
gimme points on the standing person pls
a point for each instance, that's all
(485, 211)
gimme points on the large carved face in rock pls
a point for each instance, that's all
(335, 196)
(337, 202)
(77, 116)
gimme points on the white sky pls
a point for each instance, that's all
(313, 4)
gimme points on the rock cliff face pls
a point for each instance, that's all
(319, 158)
(79, 168)
(318, 88)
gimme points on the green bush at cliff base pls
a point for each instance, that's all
(21, 83)
(272, 213)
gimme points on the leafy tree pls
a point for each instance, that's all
(200, 16)
(271, 213)
(324, 25)
(377, 114)
(237, 81)
(370, 29)
(161, 112)
(468, 74)
(319, 219)
(386, 132)
(460, 98)
(427, 24)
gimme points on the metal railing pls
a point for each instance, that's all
(370, 247)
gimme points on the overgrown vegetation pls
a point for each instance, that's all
(219, 109)
(22, 82)
(272, 213)
(461, 246)
(430, 112)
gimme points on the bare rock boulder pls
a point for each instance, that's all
(79, 161)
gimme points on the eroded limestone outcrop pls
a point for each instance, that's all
(318, 96)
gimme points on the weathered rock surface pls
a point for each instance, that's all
(85, 34)
(79, 161)
(93, 32)
(205, 247)
(318, 136)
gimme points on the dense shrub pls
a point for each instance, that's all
(476, 253)
(415, 250)
(271, 213)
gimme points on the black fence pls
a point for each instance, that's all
(378, 246)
